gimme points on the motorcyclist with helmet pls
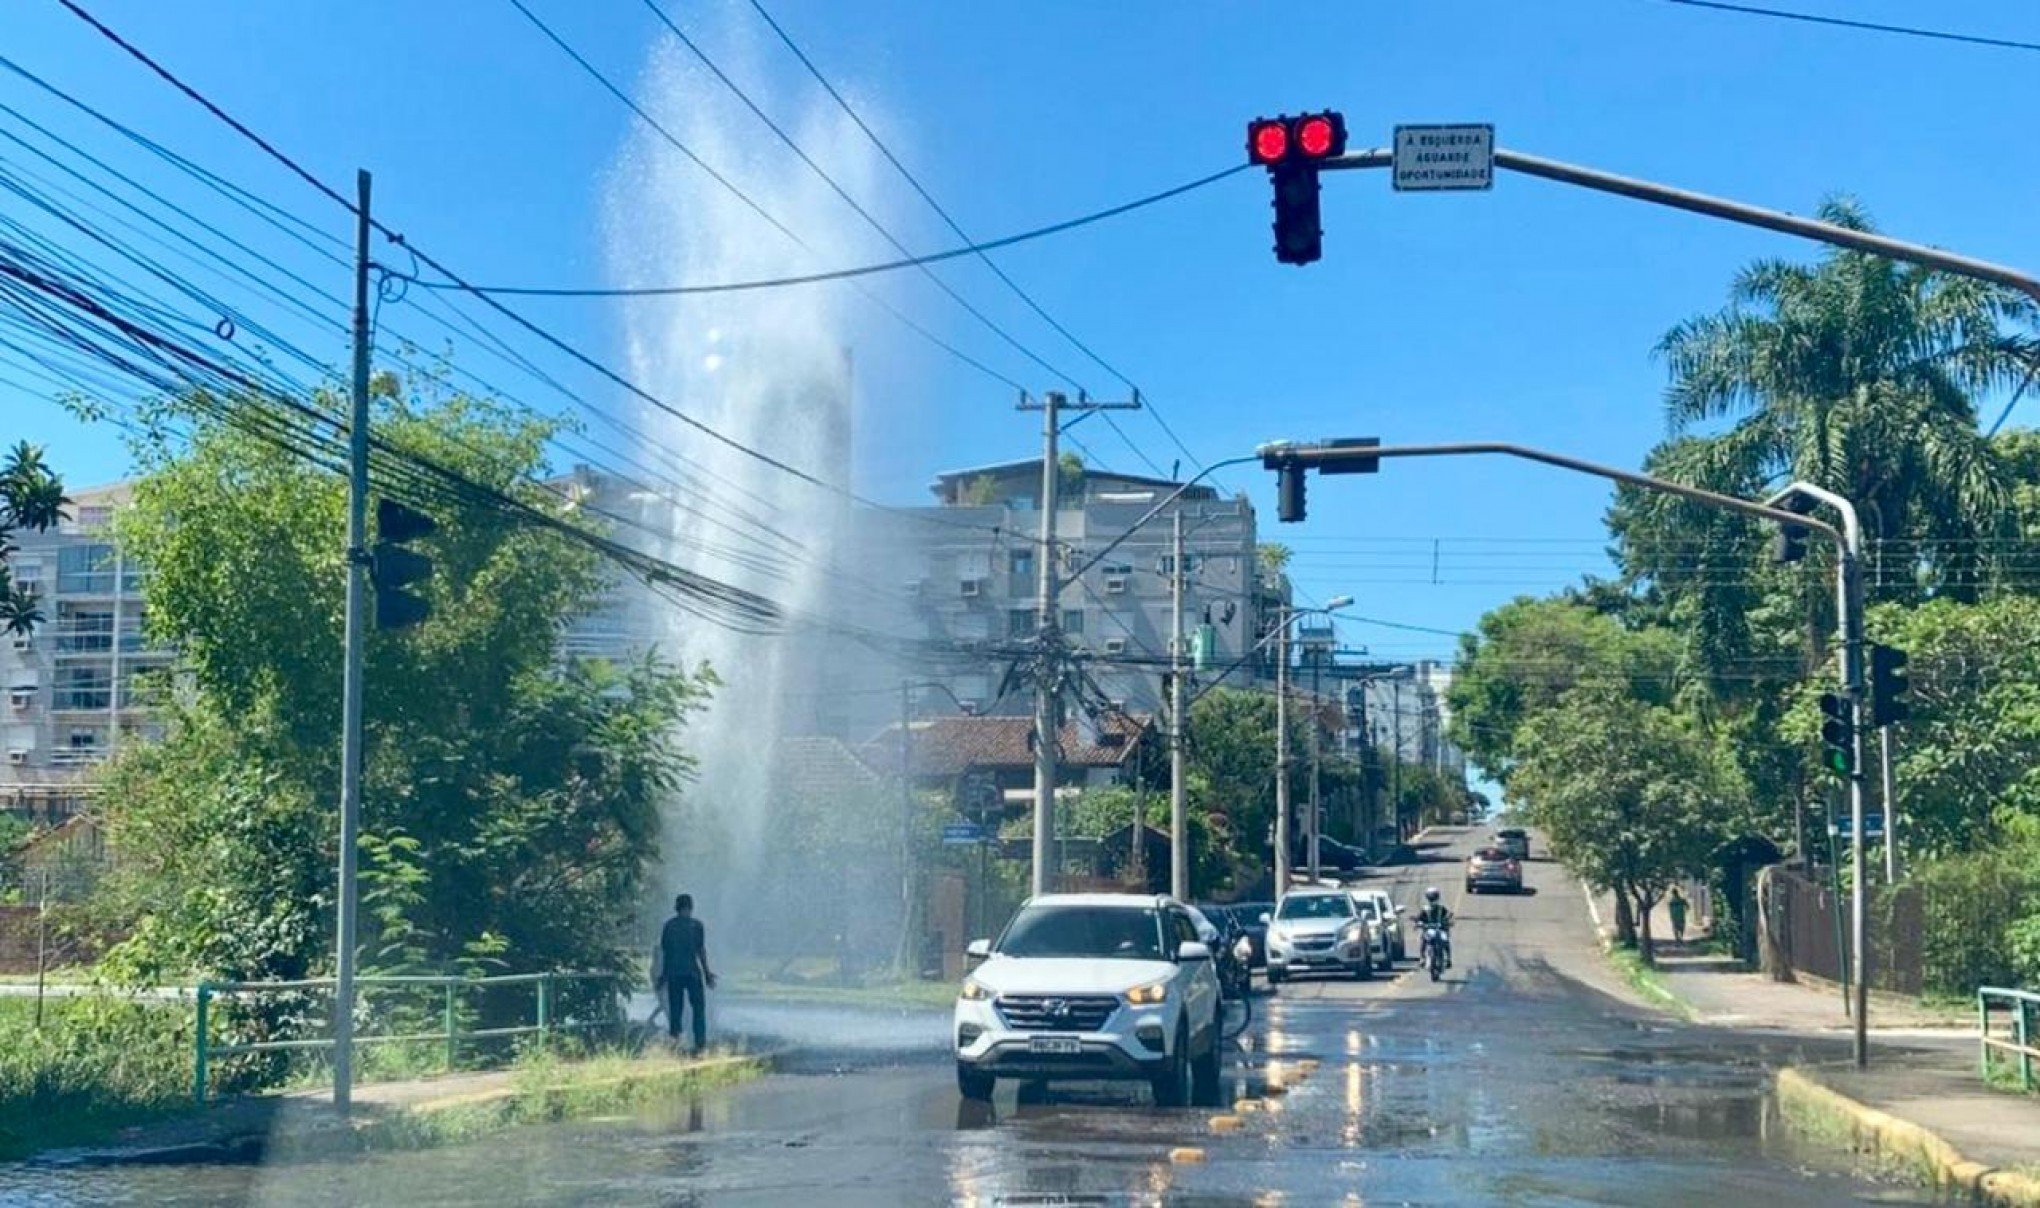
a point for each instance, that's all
(1435, 914)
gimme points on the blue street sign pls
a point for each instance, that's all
(963, 834)
(1873, 825)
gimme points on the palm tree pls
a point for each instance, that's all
(1861, 375)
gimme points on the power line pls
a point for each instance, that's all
(843, 274)
(1910, 31)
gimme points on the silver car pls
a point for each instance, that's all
(1320, 930)
(1391, 920)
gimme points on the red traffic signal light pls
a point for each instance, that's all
(1310, 136)
(1268, 142)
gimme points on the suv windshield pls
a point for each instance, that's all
(1127, 933)
(1317, 906)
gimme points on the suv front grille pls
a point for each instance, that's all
(1056, 1012)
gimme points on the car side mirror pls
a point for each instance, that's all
(1192, 950)
(978, 949)
(1265, 920)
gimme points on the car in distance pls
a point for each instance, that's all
(1318, 930)
(1380, 955)
(1493, 868)
(1391, 920)
(1514, 840)
(1093, 986)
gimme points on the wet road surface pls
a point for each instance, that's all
(1525, 1076)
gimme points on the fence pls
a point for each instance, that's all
(2023, 1007)
(1805, 927)
(451, 1034)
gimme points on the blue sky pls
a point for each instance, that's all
(1525, 314)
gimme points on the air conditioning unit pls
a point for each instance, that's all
(969, 708)
(23, 641)
(1115, 585)
(971, 587)
(1115, 645)
(17, 756)
(21, 698)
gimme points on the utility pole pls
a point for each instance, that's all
(1314, 826)
(350, 691)
(1282, 753)
(1395, 753)
(904, 962)
(1050, 654)
(1179, 806)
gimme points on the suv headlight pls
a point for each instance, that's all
(973, 990)
(1148, 995)
(1353, 933)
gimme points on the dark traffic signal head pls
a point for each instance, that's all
(394, 567)
(1838, 750)
(1888, 685)
(1289, 492)
(1291, 148)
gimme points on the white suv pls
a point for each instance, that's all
(1083, 986)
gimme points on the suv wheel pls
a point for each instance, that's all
(1172, 1086)
(973, 1084)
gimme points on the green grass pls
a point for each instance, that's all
(1647, 981)
(96, 1065)
(548, 1088)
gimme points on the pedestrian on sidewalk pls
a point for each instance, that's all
(681, 964)
(1676, 906)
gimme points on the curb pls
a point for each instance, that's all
(1900, 1144)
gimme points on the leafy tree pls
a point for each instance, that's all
(32, 498)
(510, 804)
(1274, 557)
(1231, 739)
(1528, 654)
(1633, 795)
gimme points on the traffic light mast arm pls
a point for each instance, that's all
(1732, 211)
(1321, 456)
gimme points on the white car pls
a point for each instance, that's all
(1391, 920)
(1319, 930)
(1093, 986)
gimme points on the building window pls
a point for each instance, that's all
(1021, 563)
(1073, 622)
(85, 569)
(28, 576)
(80, 688)
(84, 740)
(84, 632)
(1020, 623)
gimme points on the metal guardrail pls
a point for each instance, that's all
(2024, 1008)
(451, 1035)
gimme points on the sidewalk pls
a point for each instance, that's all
(1926, 1110)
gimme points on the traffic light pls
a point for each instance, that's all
(1790, 545)
(1288, 492)
(1292, 148)
(1888, 685)
(1838, 753)
(393, 567)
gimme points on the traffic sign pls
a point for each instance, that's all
(1873, 825)
(963, 834)
(1439, 158)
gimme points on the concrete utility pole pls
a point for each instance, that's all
(1179, 805)
(904, 959)
(350, 690)
(1282, 753)
(1314, 826)
(1890, 807)
(1050, 655)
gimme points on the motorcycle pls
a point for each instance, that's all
(1235, 964)
(1434, 950)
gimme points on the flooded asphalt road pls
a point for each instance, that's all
(1525, 1077)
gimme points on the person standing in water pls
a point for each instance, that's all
(680, 966)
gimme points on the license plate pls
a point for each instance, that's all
(1060, 1045)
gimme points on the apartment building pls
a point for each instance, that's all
(84, 681)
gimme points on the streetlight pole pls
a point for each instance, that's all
(1849, 618)
(1282, 753)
